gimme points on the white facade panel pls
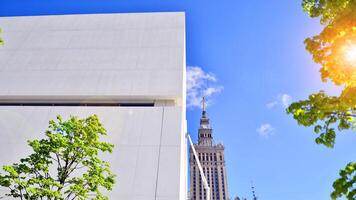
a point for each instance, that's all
(88, 50)
(168, 185)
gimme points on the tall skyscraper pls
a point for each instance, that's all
(211, 157)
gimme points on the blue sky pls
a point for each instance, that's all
(255, 51)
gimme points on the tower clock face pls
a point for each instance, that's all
(205, 126)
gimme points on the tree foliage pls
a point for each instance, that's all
(1, 40)
(329, 114)
(326, 113)
(328, 48)
(64, 165)
(346, 181)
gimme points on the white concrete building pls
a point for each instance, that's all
(129, 69)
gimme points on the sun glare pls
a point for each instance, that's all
(350, 54)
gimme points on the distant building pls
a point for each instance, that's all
(211, 157)
(254, 197)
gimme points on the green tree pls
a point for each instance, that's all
(335, 50)
(63, 165)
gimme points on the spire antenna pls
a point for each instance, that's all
(203, 106)
(253, 192)
(205, 136)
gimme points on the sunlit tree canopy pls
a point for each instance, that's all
(328, 10)
(335, 50)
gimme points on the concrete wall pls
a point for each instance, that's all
(108, 55)
(102, 58)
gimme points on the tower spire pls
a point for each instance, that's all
(253, 192)
(203, 107)
(205, 131)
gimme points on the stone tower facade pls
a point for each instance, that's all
(211, 157)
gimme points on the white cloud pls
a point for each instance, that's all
(199, 84)
(283, 100)
(286, 100)
(272, 104)
(265, 130)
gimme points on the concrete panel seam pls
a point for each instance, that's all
(159, 152)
